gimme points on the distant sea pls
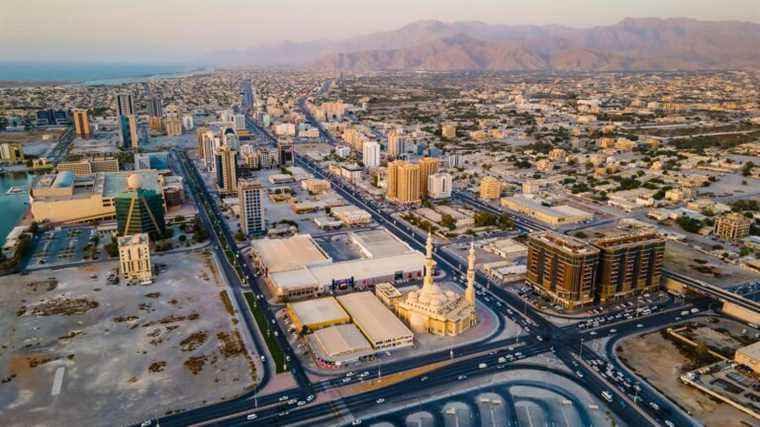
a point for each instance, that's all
(84, 72)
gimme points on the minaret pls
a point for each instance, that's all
(469, 293)
(427, 283)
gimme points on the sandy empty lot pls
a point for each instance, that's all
(660, 363)
(79, 351)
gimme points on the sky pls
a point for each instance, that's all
(185, 30)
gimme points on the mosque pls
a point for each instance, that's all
(431, 309)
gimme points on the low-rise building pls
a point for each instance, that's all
(380, 326)
(316, 314)
(732, 226)
(555, 216)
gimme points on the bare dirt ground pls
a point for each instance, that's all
(660, 363)
(75, 350)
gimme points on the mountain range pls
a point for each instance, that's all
(631, 44)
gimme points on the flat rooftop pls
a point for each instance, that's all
(752, 350)
(379, 243)
(320, 310)
(359, 269)
(289, 254)
(565, 243)
(341, 342)
(373, 318)
(622, 239)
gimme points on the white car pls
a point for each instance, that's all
(251, 417)
(380, 400)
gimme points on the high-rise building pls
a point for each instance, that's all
(134, 258)
(285, 154)
(173, 126)
(490, 188)
(630, 263)
(226, 170)
(732, 226)
(428, 166)
(125, 104)
(455, 160)
(391, 179)
(448, 131)
(371, 154)
(82, 123)
(130, 139)
(239, 121)
(395, 143)
(408, 188)
(563, 268)
(251, 196)
(139, 210)
(439, 185)
(155, 107)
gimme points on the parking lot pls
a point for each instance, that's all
(61, 246)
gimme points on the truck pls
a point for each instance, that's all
(607, 396)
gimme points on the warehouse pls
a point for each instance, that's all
(310, 281)
(317, 314)
(339, 345)
(378, 324)
(555, 216)
(275, 255)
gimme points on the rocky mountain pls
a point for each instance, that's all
(632, 44)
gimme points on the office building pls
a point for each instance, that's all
(173, 126)
(128, 132)
(562, 268)
(395, 143)
(439, 186)
(285, 153)
(490, 188)
(134, 258)
(154, 160)
(630, 263)
(11, 153)
(226, 170)
(428, 166)
(125, 105)
(732, 226)
(371, 154)
(251, 197)
(82, 123)
(155, 106)
(448, 131)
(139, 210)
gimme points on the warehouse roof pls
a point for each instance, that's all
(318, 311)
(359, 269)
(340, 342)
(379, 243)
(289, 254)
(373, 318)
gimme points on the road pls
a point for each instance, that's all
(568, 343)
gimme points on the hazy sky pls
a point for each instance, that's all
(153, 30)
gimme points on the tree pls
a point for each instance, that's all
(747, 169)
(448, 221)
